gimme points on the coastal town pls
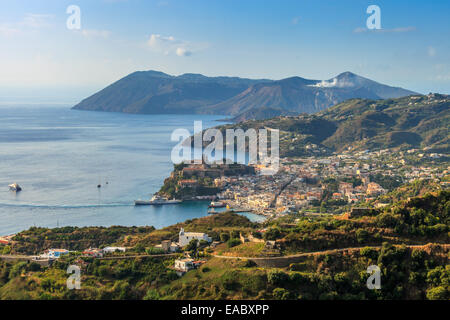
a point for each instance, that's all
(313, 184)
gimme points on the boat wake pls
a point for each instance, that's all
(83, 206)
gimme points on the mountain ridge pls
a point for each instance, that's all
(155, 92)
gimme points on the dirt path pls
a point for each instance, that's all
(314, 253)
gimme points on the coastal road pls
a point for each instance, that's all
(139, 256)
(16, 257)
(25, 258)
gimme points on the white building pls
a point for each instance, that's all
(184, 265)
(114, 249)
(186, 237)
(168, 246)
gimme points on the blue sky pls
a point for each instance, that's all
(247, 38)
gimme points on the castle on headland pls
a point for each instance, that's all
(216, 170)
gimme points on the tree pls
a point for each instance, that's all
(272, 234)
(203, 244)
(362, 235)
(152, 294)
(281, 294)
(233, 243)
(277, 278)
(369, 252)
(224, 237)
(139, 247)
(17, 269)
(235, 234)
(192, 245)
(438, 293)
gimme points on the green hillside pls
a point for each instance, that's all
(359, 124)
(408, 241)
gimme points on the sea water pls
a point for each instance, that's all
(59, 156)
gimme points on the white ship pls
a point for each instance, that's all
(156, 201)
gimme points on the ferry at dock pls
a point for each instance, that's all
(156, 201)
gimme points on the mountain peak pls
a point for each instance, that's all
(347, 74)
(343, 80)
(151, 73)
(192, 76)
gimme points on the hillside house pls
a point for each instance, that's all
(54, 253)
(114, 249)
(93, 252)
(186, 237)
(168, 246)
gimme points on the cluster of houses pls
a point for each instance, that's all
(52, 254)
(366, 191)
(6, 239)
(256, 193)
(181, 265)
(269, 195)
(184, 238)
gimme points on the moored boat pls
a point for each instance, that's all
(15, 187)
(217, 204)
(212, 211)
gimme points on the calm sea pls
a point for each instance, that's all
(59, 156)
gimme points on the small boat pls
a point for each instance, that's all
(217, 205)
(212, 211)
(156, 201)
(15, 187)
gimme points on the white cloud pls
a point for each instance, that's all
(182, 52)
(157, 41)
(7, 31)
(431, 51)
(33, 20)
(93, 33)
(169, 45)
(30, 22)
